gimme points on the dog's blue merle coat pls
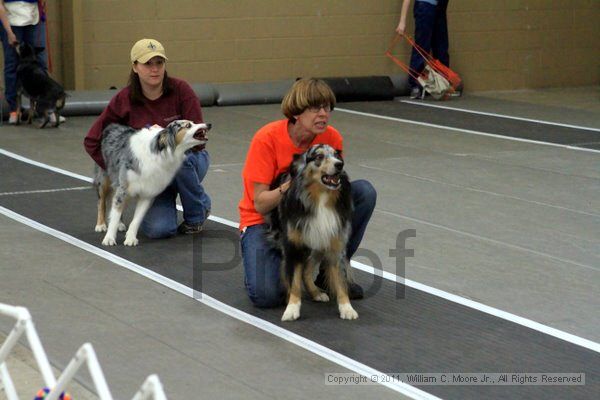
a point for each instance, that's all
(140, 164)
(298, 206)
(119, 158)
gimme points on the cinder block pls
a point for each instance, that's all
(253, 49)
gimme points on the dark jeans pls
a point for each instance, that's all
(431, 34)
(262, 262)
(35, 35)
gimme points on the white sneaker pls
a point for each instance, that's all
(416, 93)
(61, 119)
(12, 118)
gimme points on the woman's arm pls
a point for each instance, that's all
(402, 23)
(116, 111)
(265, 199)
(12, 39)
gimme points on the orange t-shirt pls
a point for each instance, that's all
(270, 154)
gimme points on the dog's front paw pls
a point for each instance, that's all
(100, 228)
(130, 241)
(122, 227)
(292, 312)
(322, 297)
(109, 241)
(347, 312)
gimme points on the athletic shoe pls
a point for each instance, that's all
(12, 118)
(415, 93)
(189, 229)
(61, 119)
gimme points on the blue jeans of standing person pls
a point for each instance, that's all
(431, 34)
(262, 262)
(35, 35)
(161, 219)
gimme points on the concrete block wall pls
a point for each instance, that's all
(516, 44)
(240, 41)
(495, 45)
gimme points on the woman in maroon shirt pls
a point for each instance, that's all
(153, 98)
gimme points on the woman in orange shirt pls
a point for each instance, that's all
(307, 107)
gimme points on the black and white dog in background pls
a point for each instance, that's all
(311, 225)
(46, 96)
(140, 163)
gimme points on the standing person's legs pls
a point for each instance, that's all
(188, 180)
(424, 15)
(439, 41)
(262, 265)
(10, 67)
(39, 31)
(35, 35)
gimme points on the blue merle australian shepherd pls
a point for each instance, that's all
(311, 226)
(139, 163)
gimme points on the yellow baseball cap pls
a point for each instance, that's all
(143, 50)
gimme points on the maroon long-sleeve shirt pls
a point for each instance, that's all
(181, 103)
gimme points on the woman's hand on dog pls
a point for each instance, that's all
(284, 186)
(266, 199)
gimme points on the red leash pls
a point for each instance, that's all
(434, 63)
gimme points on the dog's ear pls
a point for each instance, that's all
(298, 157)
(297, 165)
(164, 139)
(179, 124)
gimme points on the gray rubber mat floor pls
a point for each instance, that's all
(495, 125)
(400, 329)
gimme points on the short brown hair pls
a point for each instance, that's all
(305, 93)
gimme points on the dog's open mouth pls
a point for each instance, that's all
(200, 135)
(331, 181)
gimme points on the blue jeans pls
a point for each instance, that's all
(35, 35)
(161, 219)
(431, 34)
(262, 262)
